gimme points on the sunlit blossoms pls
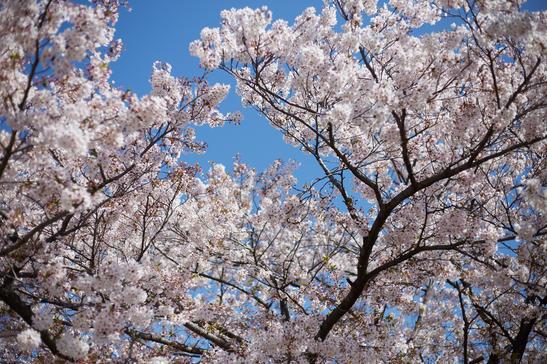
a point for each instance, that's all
(422, 240)
(28, 340)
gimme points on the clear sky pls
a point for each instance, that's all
(162, 30)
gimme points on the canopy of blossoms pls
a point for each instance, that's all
(422, 241)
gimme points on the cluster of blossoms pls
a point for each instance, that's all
(80, 160)
(433, 143)
(422, 240)
(72, 347)
(29, 340)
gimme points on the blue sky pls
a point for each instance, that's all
(162, 30)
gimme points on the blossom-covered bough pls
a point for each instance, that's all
(423, 240)
(89, 181)
(434, 142)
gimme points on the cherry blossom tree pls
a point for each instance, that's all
(422, 241)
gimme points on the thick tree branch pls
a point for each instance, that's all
(404, 144)
(23, 310)
(161, 340)
(363, 277)
(221, 343)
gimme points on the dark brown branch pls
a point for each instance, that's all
(31, 75)
(521, 340)
(23, 310)
(161, 340)
(221, 343)
(367, 64)
(494, 80)
(7, 152)
(404, 144)
(38, 228)
(284, 309)
(465, 321)
(223, 281)
(523, 84)
(363, 278)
